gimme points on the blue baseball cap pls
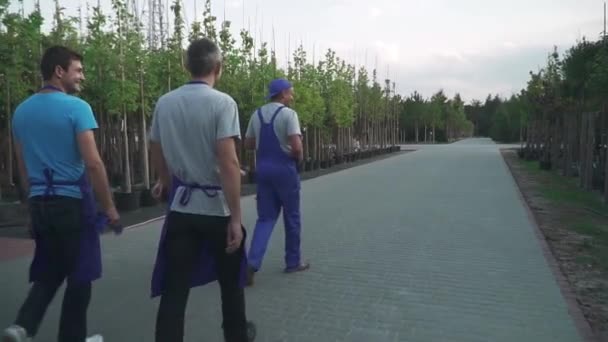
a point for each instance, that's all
(276, 86)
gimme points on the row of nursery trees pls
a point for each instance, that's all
(560, 117)
(342, 108)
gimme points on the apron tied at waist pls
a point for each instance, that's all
(210, 191)
(88, 267)
(50, 183)
(205, 269)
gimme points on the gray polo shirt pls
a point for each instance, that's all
(188, 122)
(285, 124)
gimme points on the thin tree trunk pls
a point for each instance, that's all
(583, 150)
(556, 143)
(127, 160)
(317, 148)
(9, 135)
(606, 178)
(588, 147)
(591, 149)
(307, 144)
(425, 134)
(605, 113)
(144, 136)
(567, 134)
(169, 74)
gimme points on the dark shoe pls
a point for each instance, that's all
(250, 275)
(252, 331)
(301, 267)
(15, 333)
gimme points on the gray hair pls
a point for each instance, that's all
(203, 56)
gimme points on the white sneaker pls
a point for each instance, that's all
(95, 338)
(15, 333)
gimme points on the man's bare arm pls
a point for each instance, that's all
(159, 163)
(23, 177)
(297, 150)
(230, 175)
(96, 170)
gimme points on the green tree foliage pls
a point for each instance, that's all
(338, 102)
(574, 82)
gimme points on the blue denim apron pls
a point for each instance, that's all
(205, 269)
(88, 267)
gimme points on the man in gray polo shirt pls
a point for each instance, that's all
(274, 132)
(193, 148)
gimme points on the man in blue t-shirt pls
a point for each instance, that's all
(57, 158)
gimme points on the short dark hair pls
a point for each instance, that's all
(57, 56)
(203, 57)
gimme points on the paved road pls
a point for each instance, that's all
(433, 245)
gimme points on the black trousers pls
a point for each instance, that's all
(57, 221)
(185, 235)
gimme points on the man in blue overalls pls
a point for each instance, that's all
(274, 132)
(57, 158)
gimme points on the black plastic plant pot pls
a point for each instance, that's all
(308, 165)
(12, 213)
(127, 201)
(146, 199)
(251, 176)
(545, 165)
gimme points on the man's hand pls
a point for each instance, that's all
(113, 216)
(297, 150)
(159, 191)
(234, 236)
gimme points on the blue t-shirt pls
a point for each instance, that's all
(46, 126)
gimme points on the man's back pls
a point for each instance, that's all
(46, 125)
(188, 122)
(285, 124)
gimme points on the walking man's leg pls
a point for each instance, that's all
(234, 320)
(77, 295)
(269, 206)
(73, 322)
(182, 247)
(57, 224)
(32, 311)
(290, 198)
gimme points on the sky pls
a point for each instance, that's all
(471, 47)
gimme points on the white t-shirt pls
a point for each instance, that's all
(285, 124)
(188, 122)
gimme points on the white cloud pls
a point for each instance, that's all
(234, 4)
(375, 12)
(389, 51)
(472, 52)
(451, 54)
